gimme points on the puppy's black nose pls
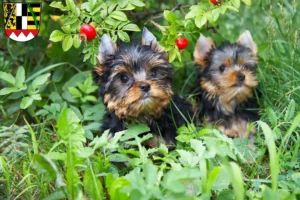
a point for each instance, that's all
(241, 77)
(145, 87)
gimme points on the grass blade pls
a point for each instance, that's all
(33, 138)
(274, 163)
(237, 182)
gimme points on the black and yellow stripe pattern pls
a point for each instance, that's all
(33, 15)
(22, 16)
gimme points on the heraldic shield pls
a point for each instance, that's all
(22, 20)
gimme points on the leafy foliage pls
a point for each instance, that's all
(14, 141)
(50, 112)
(112, 20)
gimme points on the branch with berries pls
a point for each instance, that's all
(87, 22)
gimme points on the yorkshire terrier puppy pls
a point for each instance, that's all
(227, 79)
(136, 85)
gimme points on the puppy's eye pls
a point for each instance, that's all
(153, 73)
(245, 67)
(222, 68)
(124, 78)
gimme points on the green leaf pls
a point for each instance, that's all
(79, 77)
(67, 29)
(296, 178)
(118, 15)
(172, 179)
(215, 14)
(198, 147)
(26, 102)
(77, 12)
(40, 80)
(110, 21)
(67, 43)
(58, 194)
(70, 21)
(200, 21)
(141, 140)
(268, 193)
(43, 165)
(72, 177)
(128, 7)
(290, 111)
(236, 176)
(226, 194)
(123, 3)
(150, 172)
(172, 55)
(85, 152)
(134, 130)
(70, 130)
(117, 157)
(91, 89)
(7, 78)
(75, 92)
(131, 27)
(20, 77)
(45, 69)
(212, 177)
(236, 3)
(114, 189)
(222, 182)
(92, 184)
(274, 163)
(71, 5)
(137, 3)
(100, 141)
(57, 156)
(272, 117)
(247, 2)
(82, 87)
(58, 75)
(56, 36)
(170, 16)
(33, 137)
(77, 112)
(123, 36)
(89, 98)
(58, 5)
(36, 97)
(231, 8)
(76, 41)
(196, 10)
(8, 90)
(187, 158)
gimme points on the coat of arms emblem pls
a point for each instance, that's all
(22, 20)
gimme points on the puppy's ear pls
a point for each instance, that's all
(148, 39)
(246, 40)
(107, 47)
(203, 47)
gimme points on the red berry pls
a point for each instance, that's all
(88, 31)
(182, 43)
(215, 2)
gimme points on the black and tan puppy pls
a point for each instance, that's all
(227, 79)
(136, 85)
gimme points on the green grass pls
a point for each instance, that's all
(48, 150)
